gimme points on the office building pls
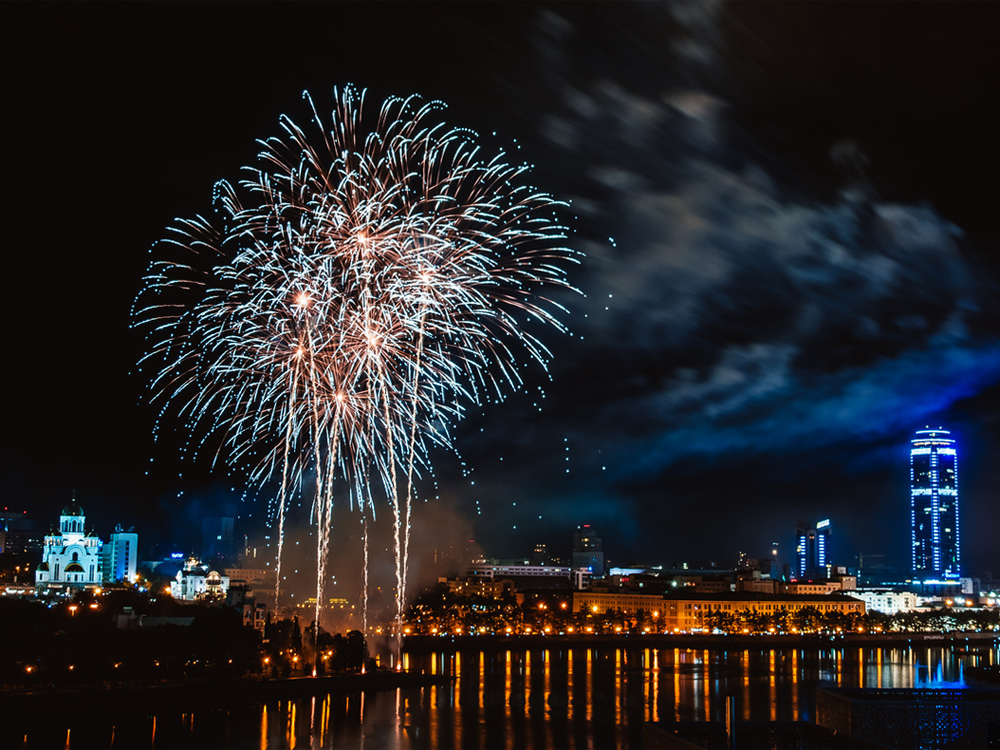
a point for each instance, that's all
(934, 505)
(217, 535)
(17, 533)
(587, 550)
(812, 549)
(119, 556)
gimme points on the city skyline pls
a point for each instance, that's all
(790, 257)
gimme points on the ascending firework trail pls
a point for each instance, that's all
(369, 277)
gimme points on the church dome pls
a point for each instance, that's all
(73, 509)
(74, 568)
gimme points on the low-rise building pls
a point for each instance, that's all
(491, 588)
(526, 575)
(686, 612)
(253, 612)
(195, 582)
(887, 601)
(628, 602)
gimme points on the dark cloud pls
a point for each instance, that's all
(728, 311)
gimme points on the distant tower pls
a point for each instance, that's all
(934, 504)
(812, 549)
(217, 537)
(587, 550)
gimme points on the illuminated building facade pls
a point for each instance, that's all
(934, 505)
(812, 549)
(196, 582)
(71, 556)
(118, 558)
(686, 613)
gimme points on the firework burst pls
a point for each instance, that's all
(359, 288)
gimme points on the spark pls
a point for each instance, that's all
(361, 285)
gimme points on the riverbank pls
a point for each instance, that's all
(191, 695)
(422, 644)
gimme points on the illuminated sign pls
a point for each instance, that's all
(823, 524)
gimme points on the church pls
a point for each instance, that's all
(71, 557)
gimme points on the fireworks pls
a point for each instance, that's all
(363, 285)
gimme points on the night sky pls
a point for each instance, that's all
(788, 213)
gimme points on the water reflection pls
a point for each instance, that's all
(561, 696)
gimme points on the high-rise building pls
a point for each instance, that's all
(934, 505)
(812, 549)
(17, 533)
(118, 557)
(587, 550)
(217, 537)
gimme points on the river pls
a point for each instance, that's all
(561, 696)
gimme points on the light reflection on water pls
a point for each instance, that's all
(561, 696)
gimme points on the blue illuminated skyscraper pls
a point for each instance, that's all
(812, 549)
(934, 505)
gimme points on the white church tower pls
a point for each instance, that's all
(71, 558)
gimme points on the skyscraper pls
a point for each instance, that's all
(587, 550)
(934, 504)
(812, 549)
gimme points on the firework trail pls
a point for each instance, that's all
(363, 285)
